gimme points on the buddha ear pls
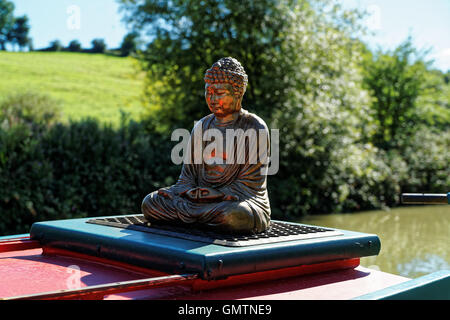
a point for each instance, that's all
(239, 101)
(239, 98)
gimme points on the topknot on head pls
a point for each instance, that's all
(228, 70)
(229, 64)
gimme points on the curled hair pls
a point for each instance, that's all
(228, 70)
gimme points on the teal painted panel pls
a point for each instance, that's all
(210, 261)
(14, 236)
(434, 286)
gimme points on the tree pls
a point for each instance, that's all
(6, 21)
(129, 44)
(74, 46)
(55, 45)
(396, 79)
(98, 46)
(19, 32)
(190, 37)
(30, 45)
(447, 77)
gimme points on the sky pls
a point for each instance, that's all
(428, 22)
(66, 20)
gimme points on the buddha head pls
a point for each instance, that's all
(226, 83)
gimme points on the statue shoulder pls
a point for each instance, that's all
(203, 122)
(255, 121)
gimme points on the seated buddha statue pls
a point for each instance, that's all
(225, 196)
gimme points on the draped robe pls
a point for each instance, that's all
(244, 179)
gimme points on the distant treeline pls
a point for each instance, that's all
(128, 47)
(15, 31)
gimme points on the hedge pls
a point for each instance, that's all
(78, 170)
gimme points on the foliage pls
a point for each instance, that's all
(74, 46)
(28, 109)
(396, 80)
(25, 181)
(30, 45)
(19, 32)
(55, 45)
(6, 21)
(98, 46)
(190, 37)
(129, 44)
(78, 170)
(433, 105)
(426, 155)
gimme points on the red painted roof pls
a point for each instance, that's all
(27, 271)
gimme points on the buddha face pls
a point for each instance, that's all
(221, 99)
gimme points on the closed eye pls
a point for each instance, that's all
(222, 92)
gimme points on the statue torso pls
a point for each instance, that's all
(221, 168)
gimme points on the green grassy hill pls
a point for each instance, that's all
(85, 84)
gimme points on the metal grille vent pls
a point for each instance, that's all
(278, 232)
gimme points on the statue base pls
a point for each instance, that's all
(176, 249)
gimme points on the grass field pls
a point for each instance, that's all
(86, 85)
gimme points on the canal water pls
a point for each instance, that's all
(414, 240)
